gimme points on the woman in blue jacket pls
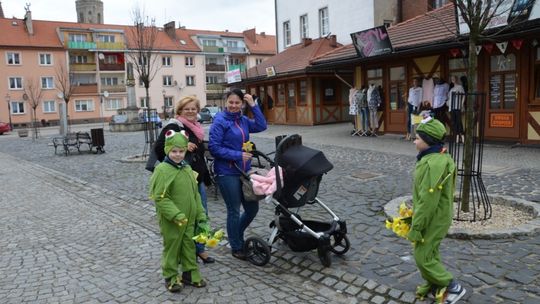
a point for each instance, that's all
(229, 131)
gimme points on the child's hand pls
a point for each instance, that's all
(180, 220)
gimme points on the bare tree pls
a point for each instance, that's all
(34, 93)
(65, 85)
(141, 45)
(479, 15)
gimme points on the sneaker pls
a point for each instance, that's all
(454, 292)
(239, 255)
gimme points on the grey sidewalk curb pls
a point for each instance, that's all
(527, 229)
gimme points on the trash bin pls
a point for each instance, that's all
(98, 139)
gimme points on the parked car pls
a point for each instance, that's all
(213, 111)
(204, 115)
(4, 128)
(153, 117)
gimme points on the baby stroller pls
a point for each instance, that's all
(303, 168)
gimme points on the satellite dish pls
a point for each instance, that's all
(101, 56)
(60, 95)
(106, 94)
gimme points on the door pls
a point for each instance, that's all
(397, 108)
(502, 112)
(291, 102)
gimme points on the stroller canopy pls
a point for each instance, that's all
(300, 162)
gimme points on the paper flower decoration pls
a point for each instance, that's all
(247, 146)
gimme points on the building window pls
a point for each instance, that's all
(15, 83)
(207, 42)
(190, 62)
(232, 44)
(78, 59)
(13, 58)
(77, 37)
(113, 104)
(166, 61)
(190, 80)
(287, 33)
(111, 59)
(324, 22)
(168, 101)
(329, 87)
(84, 105)
(109, 81)
(258, 60)
(280, 94)
(304, 26)
(17, 107)
(49, 106)
(303, 93)
(291, 95)
(167, 80)
(437, 3)
(143, 60)
(397, 88)
(141, 82)
(106, 38)
(503, 82)
(144, 102)
(47, 83)
(211, 79)
(45, 59)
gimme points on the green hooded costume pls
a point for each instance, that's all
(433, 200)
(174, 189)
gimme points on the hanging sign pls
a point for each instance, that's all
(517, 43)
(372, 42)
(502, 46)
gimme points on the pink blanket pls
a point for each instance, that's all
(265, 185)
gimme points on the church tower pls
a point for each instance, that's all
(89, 11)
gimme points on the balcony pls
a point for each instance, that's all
(83, 67)
(85, 88)
(212, 49)
(215, 87)
(237, 50)
(212, 67)
(111, 66)
(84, 45)
(113, 88)
(241, 67)
(110, 45)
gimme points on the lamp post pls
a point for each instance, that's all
(164, 104)
(8, 100)
(106, 95)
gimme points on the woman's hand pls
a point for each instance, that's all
(249, 99)
(191, 147)
(246, 156)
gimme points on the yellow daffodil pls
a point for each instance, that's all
(201, 238)
(247, 146)
(388, 224)
(212, 242)
(219, 234)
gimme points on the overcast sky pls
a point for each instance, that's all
(219, 15)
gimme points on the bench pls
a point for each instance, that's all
(72, 141)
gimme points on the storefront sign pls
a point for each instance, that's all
(270, 71)
(505, 120)
(372, 42)
(234, 76)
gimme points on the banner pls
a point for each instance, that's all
(372, 42)
(234, 76)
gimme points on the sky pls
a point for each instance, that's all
(219, 15)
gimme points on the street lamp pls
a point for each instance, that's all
(8, 100)
(164, 104)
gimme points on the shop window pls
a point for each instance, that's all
(270, 97)
(303, 93)
(262, 97)
(503, 82)
(329, 92)
(397, 88)
(280, 94)
(291, 95)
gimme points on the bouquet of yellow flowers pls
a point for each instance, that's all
(401, 225)
(211, 239)
(247, 146)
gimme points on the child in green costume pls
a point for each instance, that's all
(433, 200)
(173, 187)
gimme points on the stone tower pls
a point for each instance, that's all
(89, 11)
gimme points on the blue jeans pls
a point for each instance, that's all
(365, 118)
(199, 248)
(231, 190)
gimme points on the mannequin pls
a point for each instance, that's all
(413, 103)
(455, 105)
(440, 95)
(374, 101)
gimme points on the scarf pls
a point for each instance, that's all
(195, 127)
(172, 163)
(437, 148)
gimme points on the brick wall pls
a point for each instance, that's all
(413, 8)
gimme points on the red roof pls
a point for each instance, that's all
(295, 58)
(261, 44)
(14, 34)
(432, 27)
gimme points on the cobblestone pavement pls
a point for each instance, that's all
(83, 229)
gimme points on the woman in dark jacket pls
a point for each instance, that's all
(228, 134)
(186, 119)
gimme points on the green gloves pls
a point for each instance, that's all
(180, 219)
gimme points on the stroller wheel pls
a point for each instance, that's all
(324, 256)
(340, 244)
(257, 251)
